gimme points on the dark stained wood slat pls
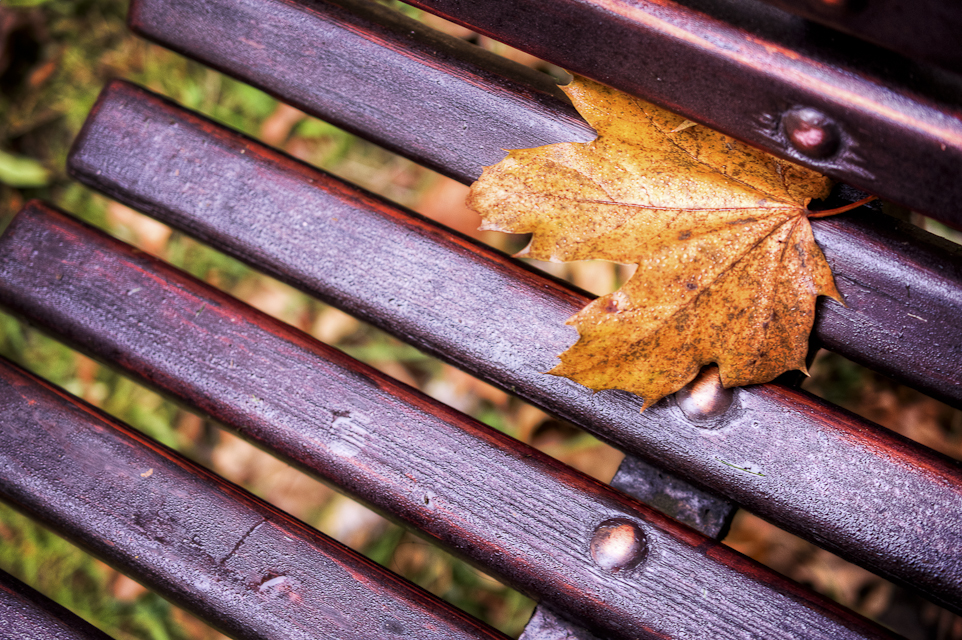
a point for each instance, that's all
(374, 72)
(27, 614)
(532, 521)
(478, 98)
(741, 70)
(683, 502)
(545, 625)
(924, 29)
(493, 317)
(482, 112)
(903, 297)
(208, 546)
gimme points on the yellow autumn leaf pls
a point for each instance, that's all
(728, 270)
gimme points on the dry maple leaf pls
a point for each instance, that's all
(728, 268)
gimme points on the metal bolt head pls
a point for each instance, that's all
(618, 544)
(811, 132)
(704, 397)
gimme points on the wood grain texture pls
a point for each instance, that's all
(738, 68)
(903, 301)
(531, 522)
(926, 29)
(487, 107)
(374, 72)
(672, 496)
(27, 614)
(682, 501)
(454, 97)
(813, 469)
(232, 560)
(545, 625)
(734, 65)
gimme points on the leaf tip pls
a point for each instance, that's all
(831, 291)
(686, 124)
(524, 253)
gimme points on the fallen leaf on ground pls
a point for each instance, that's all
(728, 269)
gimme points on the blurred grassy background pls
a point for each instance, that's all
(55, 55)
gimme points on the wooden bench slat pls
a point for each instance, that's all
(880, 328)
(673, 496)
(897, 139)
(375, 73)
(924, 29)
(682, 501)
(897, 143)
(27, 614)
(229, 558)
(903, 301)
(503, 322)
(531, 521)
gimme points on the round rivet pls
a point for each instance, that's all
(704, 397)
(618, 544)
(811, 132)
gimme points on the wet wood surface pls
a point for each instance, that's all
(734, 65)
(27, 614)
(779, 452)
(686, 503)
(374, 72)
(923, 29)
(206, 545)
(903, 301)
(461, 110)
(533, 522)
(739, 68)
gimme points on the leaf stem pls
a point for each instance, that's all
(831, 212)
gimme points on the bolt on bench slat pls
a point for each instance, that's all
(533, 522)
(678, 499)
(229, 558)
(480, 112)
(27, 614)
(744, 78)
(779, 452)
(461, 106)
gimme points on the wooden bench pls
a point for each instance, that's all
(595, 558)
